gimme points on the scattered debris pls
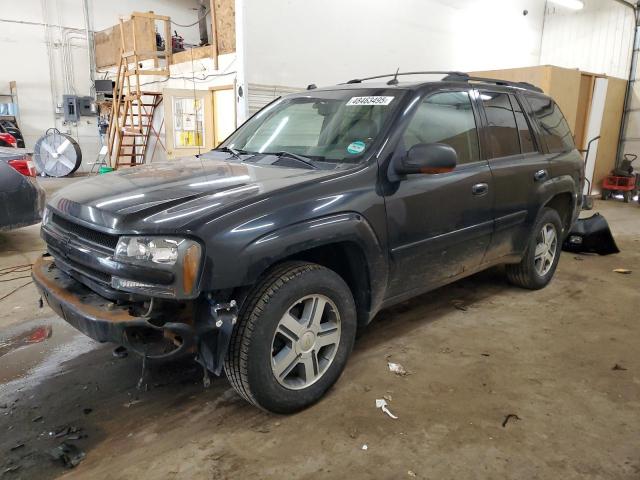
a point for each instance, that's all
(17, 447)
(64, 431)
(38, 418)
(87, 411)
(387, 397)
(485, 354)
(132, 402)
(459, 304)
(120, 352)
(509, 417)
(69, 453)
(580, 259)
(617, 366)
(353, 432)
(40, 303)
(11, 468)
(365, 447)
(382, 404)
(367, 388)
(397, 369)
(411, 473)
(624, 271)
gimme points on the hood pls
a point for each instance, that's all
(168, 196)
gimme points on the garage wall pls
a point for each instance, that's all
(595, 39)
(25, 59)
(298, 42)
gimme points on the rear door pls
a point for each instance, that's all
(518, 165)
(439, 226)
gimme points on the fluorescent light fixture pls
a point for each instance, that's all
(572, 4)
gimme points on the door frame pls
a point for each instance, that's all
(169, 94)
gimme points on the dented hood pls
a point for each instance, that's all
(168, 196)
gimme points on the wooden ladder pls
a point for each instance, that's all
(133, 109)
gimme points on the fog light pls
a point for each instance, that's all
(132, 286)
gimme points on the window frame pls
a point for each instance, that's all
(524, 106)
(534, 119)
(476, 119)
(485, 120)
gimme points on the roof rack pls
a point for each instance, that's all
(397, 74)
(464, 77)
(451, 77)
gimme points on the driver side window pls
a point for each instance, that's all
(445, 117)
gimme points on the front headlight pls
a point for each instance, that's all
(181, 256)
(159, 250)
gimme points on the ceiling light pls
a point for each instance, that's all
(572, 4)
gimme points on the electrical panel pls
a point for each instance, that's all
(70, 108)
(86, 106)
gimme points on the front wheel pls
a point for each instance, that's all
(540, 260)
(295, 333)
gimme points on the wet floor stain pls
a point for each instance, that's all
(35, 352)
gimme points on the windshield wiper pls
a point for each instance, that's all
(231, 150)
(297, 157)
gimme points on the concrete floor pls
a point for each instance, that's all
(547, 357)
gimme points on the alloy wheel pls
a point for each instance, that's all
(305, 342)
(546, 249)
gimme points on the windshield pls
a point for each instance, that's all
(335, 126)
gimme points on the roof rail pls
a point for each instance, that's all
(450, 77)
(397, 74)
(464, 77)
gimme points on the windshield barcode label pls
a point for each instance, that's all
(369, 101)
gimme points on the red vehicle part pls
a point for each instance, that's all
(8, 139)
(25, 166)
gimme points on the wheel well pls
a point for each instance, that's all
(347, 260)
(563, 204)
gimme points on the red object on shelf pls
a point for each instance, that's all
(25, 166)
(10, 139)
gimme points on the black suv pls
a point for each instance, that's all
(265, 255)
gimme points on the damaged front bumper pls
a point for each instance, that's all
(200, 327)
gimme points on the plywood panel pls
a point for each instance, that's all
(610, 131)
(565, 90)
(192, 53)
(108, 42)
(225, 15)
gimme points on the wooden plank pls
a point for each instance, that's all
(198, 53)
(585, 95)
(610, 130)
(214, 34)
(224, 14)
(108, 42)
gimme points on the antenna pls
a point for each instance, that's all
(394, 80)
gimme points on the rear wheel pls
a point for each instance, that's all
(539, 263)
(606, 194)
(295, 333)
(626, 196)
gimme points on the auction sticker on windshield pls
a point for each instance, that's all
(356, 147)
(377, 100)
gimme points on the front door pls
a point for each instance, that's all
(440, 225)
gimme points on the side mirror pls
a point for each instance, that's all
(428, 158)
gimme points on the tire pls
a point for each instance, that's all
(251, 361)
(527, 274)
(606, 194)
(626, 197)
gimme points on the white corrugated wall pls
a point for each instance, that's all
(596, 39)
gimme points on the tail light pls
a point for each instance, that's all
(24, 166)
(10, 139)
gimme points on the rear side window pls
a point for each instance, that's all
(503, 132)
(527, 142)
(555, 129)
(445, 117)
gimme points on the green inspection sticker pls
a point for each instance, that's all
(356, 147)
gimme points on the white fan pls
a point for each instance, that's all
(57, 154)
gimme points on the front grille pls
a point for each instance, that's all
(84, 233)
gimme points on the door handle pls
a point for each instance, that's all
(480, 189)
(540, 175)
